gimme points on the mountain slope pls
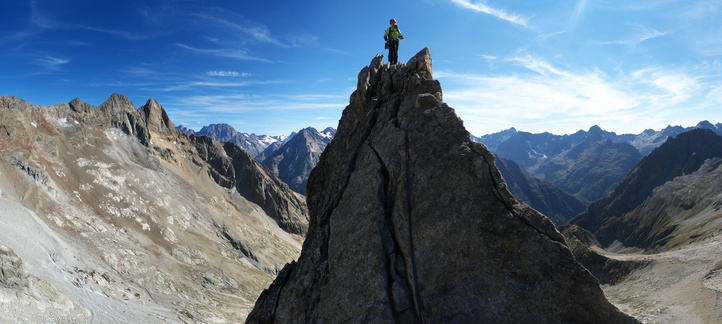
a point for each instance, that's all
(541, 195)
(585, 164)
(655, 191)
(412, 222)
(591, 167)
(294, 160)
(109, 214)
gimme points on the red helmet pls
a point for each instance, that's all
(392, 21)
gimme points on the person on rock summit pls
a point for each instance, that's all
(392, 36)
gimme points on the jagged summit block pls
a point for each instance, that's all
(412, 222)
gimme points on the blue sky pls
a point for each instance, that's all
(273, 67)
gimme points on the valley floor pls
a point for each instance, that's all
(679, 286)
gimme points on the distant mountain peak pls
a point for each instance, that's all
(706, 124)
(595, 129)
(117, 102)
(251, 143)
(295, 158)
(157, 118)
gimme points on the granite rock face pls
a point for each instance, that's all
(411, 221)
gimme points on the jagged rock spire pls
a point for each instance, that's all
(410, 221)
(156, 117)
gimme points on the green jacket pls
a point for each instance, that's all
(393, 33)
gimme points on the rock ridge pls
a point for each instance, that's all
(229, 167)
(411, 221)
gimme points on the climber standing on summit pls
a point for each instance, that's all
(392, 36)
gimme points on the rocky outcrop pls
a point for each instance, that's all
(260, 186)
(156, 119)
(587, 251)
(231, 167)
(118, 111)
(411, 221)
(12, 271)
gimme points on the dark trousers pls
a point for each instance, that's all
(393, 51)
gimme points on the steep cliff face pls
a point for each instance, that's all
(410, 221)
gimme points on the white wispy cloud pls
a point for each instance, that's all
(667, 87)
(498, 13)
(51, 63)
(553, 34)
(537, 65)
(121, 33)
(303, 40)
(639, 5)
(224, 52)
(551, 98)
(228, 74)
(159, 81)
(260, 33)
(217, 84)
(638, 34)
(253, 102)
(337, 51)
(256, 31)
(579, 10)
(142, 71)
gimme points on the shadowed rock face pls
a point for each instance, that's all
(410, 221)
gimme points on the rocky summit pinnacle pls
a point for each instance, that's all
(411, 221)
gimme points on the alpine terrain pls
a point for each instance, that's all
(108, 214)
(293, 161)
(585, 164)
(670, 198)
(411, 221)
(655, 239)
(544, 196)
(253, 144)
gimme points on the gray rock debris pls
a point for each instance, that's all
(12, 271)
(410, 221)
